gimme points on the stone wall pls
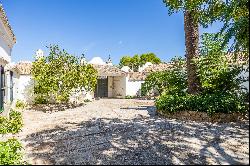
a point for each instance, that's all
(204, 117)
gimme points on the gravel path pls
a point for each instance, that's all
(120, 131)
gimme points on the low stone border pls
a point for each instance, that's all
(53, 107)
(204, 117)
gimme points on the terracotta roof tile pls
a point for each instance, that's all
(107, 70)
(157, 67)
(24, 67)
(137, 76)
(6, 23)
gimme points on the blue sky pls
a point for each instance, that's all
(96, 28)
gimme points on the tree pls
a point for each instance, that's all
(191, 28)
(171, 81)
(149, 57)
(218, 72)
(135, 62)
(125, 61)
(139, 60)
(59, 74)
(234, 14)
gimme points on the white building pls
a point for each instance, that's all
(7, 41)
(23, 82)
(112, 82)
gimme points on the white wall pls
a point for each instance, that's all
(79, 96)
(15, 85)
(246, 75)
(25, 89)
(110, 86)
(119, 86)
(5, 54)
(5, 40)
(4, 50)
(133, 87)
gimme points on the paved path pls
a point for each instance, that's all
(119, 131)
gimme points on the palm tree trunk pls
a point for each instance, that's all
(191, 28)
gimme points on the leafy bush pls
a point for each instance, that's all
(87, 100)
(63, 98)
(221, 89)
(171, 81)
(129, 97)
(10, 152)
(57, 75)
(40, 99)
(15, 122)
(11, 125)
(210, 103)
(20, 104)
(3, 125)
(217, 70)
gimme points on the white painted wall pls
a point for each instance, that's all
(110, 86)
(246, 75)
(25, 88)
(133, 87)
(15, 85)
(5, 43)
(119, 86)
(97, 61)
(79, 96)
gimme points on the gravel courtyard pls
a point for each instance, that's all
(127, 131)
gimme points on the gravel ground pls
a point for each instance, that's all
(127, 131)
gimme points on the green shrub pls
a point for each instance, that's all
(173, 80)
(15, 122)
(210, 103)
(221, 85)
(59, 74)
(217, 72)
(11, 125)
(129, 97)
(64, 98)
(3, 125)
(20, 104)
(87, 100)
(10, 152)
(39, 99)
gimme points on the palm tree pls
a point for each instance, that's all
(191, 28)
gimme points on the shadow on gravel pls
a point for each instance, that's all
(150, 109)
(54, 107)
(141, 141)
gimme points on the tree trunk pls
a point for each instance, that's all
(191, 28)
